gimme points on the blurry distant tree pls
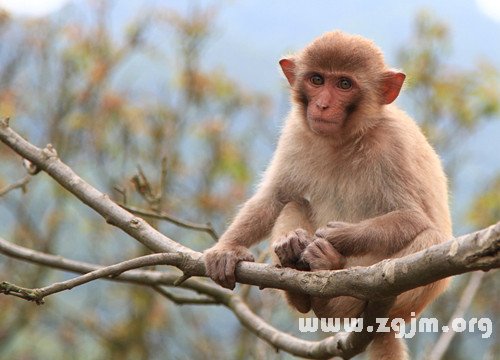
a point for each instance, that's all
(450, 103)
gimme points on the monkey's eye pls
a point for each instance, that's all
(317, 80)
(345, 84)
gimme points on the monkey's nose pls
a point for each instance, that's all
(321, 106)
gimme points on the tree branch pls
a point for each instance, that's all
(342, 344)
(476, 251)
(46, 159)
(182, 300)
(161, 215)
(377, 283)
(37, 295)
(16, 185)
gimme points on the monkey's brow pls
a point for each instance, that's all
(328, 73)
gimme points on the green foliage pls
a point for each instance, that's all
(486, 208)
(449, 103)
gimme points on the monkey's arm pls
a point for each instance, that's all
(383, 235)
(252, 223)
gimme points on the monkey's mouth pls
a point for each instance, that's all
(330, 122)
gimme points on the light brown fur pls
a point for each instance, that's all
(368, 180)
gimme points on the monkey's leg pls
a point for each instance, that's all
(338, 307)
(321, 255)
(290, 236)
(385, 346)
(416, 300)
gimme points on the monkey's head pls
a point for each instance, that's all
(340, 82)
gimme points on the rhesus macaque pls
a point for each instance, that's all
(352, 181)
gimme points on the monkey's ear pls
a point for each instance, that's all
(391, 86)
(288, 67)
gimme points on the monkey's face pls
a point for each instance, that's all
(329, 99)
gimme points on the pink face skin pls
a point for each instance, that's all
(330, 97)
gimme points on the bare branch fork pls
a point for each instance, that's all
(379, 282)
(161, 215)
(37, 295)
(20, 184)
(343, 345)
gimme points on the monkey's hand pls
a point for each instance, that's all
(341, 235)
(290, 247)
(221, 260)
(321, 255)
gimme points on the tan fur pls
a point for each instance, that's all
(371, 176)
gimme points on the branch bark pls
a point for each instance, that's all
(342, 344)
(173, 219)
(16, 185)
(476, 251)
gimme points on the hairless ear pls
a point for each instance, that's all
(392, 81)
(288, 68)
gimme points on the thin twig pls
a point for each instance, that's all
(160, 197)
(173, 219)
(39, 294)
(143, 186)
(123, 192)
(16, 185)
(47, 160)
(444, 341)
(183, 300)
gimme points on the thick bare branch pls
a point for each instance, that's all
(477, 251)
(342, 345)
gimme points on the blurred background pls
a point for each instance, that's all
(176, 106)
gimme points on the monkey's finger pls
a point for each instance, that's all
(324, 233)
(322, 245)
(302, 265)
(225, 277)
(311, 251)
(336, 224)
(287, 245)
(296, 247)
(304, 238)
(278, 250)
(231, 260)
(246, 256)
(281, 252)
(303, 235)
(210, 267)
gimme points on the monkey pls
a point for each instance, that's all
(352, 181)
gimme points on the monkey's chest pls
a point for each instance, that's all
(348, 197)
